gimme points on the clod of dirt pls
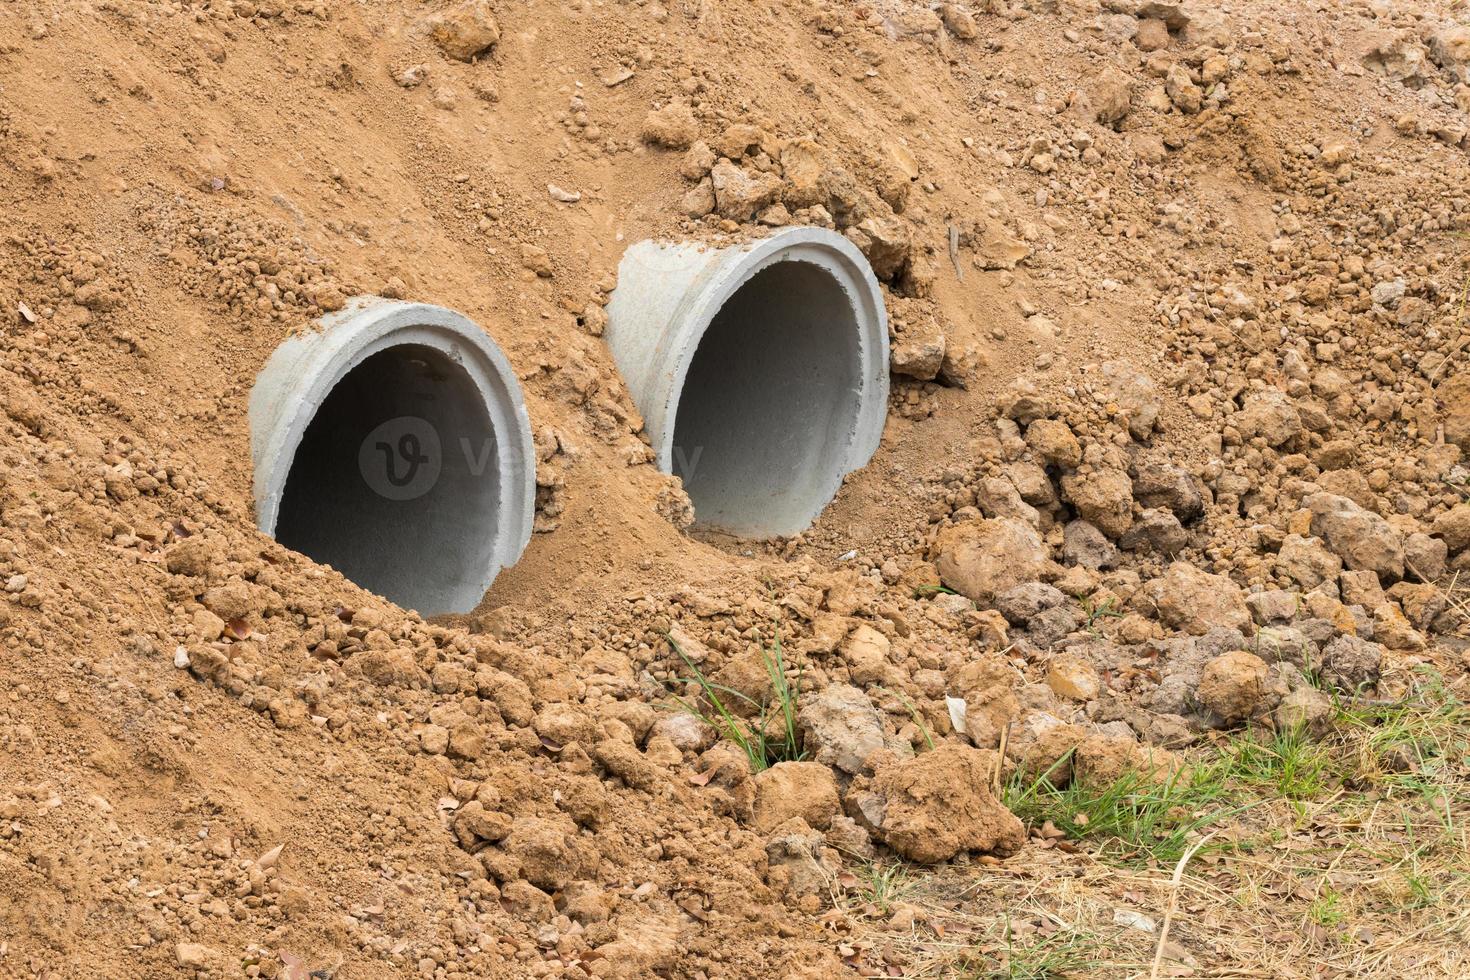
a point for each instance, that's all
(1234, 685)
(466, 31)
(936, 805)
(980, 559)
(795, 789)
(1189, 599)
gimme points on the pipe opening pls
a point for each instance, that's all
(393, 444)
(769, 408)
(394, 483)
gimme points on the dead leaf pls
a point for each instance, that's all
(295, 967)
(25, 313)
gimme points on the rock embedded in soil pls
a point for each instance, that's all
(841, 727)
(1193, 600)
(1021, 604)
(958, 21)
(1073, 678)
(465, 31)
(1083, 544)
(1350, 663)
(1306, 561)
(1234, 686)
(1270, 415)
(1103, 498)
(740, 194)
(795, 789)
(1361, 538)
(1054, 441)
(937, 805)
(981, 559)
(1453, 526)
(1156, 530)
(1133, 393)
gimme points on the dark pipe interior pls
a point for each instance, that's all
(769, 407)
(395, 483)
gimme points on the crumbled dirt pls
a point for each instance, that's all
(1177, 297)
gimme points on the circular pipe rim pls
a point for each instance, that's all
(658, 386)
(303, 370)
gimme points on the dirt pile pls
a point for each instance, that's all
(1177, 299)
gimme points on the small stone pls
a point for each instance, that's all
(980, 559)
(672, 127)
(1454, 527)
(1193, 600)
(1054, 442)
(1234, 685)
(1084, 545)
(1025, 602)
(412, 77)
(841, 727)
(738, 194)
(1306, 561)
(465, 31)
(193, 956)
(1103, 498)
(535, 258)
(1272, 606)
(1156, 530)
(1186, 96)
(1350, 663)
(1134, 393)
(1361, 538)
(1072, 677)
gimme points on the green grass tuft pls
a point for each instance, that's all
(1136, 818)
(773, 737)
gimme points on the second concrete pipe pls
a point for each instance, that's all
(761, 370)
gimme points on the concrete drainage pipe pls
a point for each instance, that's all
(761, 371)
(393, 444)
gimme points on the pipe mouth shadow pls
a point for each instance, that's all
(394, 483)
(393, 444)
(769, 407)
(760, 369)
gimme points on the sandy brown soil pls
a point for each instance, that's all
(1178, 302)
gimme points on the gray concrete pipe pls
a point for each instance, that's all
(393, 444)
(761, 370)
